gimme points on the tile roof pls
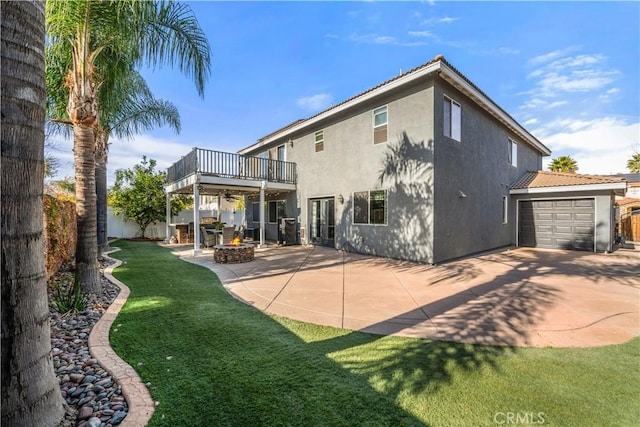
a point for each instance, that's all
(439, 58)
(418, 68)
(632, 178)
(627, 201)
(540, 179)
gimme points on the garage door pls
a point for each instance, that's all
(558, 224)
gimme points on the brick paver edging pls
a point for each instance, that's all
(139, 400)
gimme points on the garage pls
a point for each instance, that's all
(565, 211)
(557, 224)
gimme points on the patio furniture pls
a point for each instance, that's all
(208, 237)
(227, 234)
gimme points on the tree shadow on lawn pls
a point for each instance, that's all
(233, 365)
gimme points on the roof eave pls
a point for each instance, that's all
(447, 73)
(568, 188)
(491, 107)
(345, 106)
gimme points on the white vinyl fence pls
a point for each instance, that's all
(118, 226)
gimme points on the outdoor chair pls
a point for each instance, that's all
(227, 234)
(208, 237)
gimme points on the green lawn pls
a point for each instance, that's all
(213, 361)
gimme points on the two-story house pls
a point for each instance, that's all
(424, 167)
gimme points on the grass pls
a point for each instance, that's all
(213, 361)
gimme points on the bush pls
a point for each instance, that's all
(60, 234)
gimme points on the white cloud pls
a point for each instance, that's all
(541, 59)
(577, 81)
(600, 146)
(531, 121)
(612, 91)
(315, 102)
(384, 40)
(421, 34)
(443, 20)
(448, 20)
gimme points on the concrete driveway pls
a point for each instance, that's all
(518, 297)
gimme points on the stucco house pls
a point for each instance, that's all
(423, 167)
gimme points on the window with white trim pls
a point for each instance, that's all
(513, 153)
(452, 119)
(380, 125)
(505, 209)
(370, 207)
(319, 137)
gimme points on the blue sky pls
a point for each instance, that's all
(567, 71)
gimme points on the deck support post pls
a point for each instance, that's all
(168, 220)
(263, 185)
(196, 220)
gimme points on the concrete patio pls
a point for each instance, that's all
(517, 297)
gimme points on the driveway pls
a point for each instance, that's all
(518, 297)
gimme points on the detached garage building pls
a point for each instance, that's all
(566, 211)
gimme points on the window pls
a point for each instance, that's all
(264, 164)
(276, 210)
(319, 141)
(370, 207)
(505, 209)
(513, 153)
(452, 117)
(281, 154)
(380, 125)
(255, 211)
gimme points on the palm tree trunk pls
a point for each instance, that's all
(87, 269)
(30, 392)
(83, 112)
(102, 148)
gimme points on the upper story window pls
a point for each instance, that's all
(380, 125)
(452, 119)
(513, 153)
(319, 137)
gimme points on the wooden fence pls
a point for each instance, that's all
(630, 227)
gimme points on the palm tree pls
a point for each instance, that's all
(633, 164)
(30, 390)
(105, 39)
(135, 111)
(127, 109)
(564, 164)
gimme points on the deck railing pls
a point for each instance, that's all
(231, 165)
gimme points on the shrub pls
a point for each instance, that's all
(60, 234)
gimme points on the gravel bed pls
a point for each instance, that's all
(93, 398)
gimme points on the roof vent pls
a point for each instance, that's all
(439, 57)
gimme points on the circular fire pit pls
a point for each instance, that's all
(233, 254)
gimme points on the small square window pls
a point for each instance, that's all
(380, 125)
(319, 141)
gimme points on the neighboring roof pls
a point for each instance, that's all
(632, 178)
(543, 181)
(627, 201)
(439, 65)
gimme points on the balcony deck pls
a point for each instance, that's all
(229, 170)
